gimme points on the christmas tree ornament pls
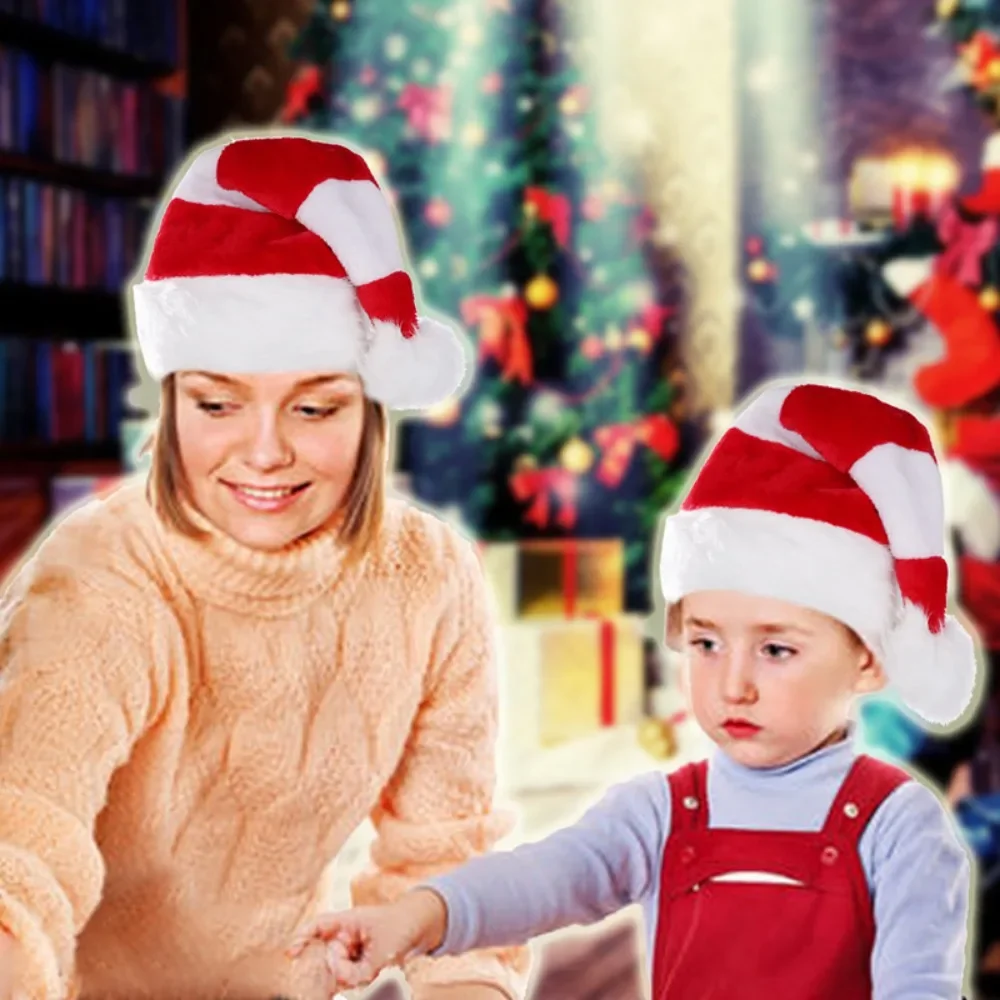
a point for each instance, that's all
(878, 333)
(759, 271)
(541, 293)
(640, 339)
(340, 10)
(946, 9)
(971, 366)
(576, 456)
(989, 298)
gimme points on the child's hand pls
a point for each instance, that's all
(360, 943)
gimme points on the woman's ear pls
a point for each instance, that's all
(674, 627)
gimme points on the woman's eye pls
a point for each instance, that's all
(212, 407)
(318, 412)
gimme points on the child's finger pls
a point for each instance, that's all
(322, 929)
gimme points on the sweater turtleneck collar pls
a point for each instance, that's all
(222, 571)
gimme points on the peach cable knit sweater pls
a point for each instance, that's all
(190, 730)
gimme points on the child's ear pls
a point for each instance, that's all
(870, 676)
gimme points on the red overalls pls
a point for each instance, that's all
(718, 940)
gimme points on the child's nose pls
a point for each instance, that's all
(737, 678)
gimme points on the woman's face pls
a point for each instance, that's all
(268, 458)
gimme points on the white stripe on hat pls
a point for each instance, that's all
(763, 420)
(912, 519)
(200, 184)
(355, 220)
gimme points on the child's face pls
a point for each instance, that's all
(769, 681)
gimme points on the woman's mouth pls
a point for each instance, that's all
(265, 498)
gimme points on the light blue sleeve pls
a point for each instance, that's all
(920, 875)
(607, 860)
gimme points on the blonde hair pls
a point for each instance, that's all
(363, 505)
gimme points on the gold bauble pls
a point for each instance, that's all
(759, 270)
(541, 292)
(340, 10)
(947, 8)
(640, 339)
(878, 333)
(576, 456)
(989, 299)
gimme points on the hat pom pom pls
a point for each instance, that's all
(933, 673)
(413, 373)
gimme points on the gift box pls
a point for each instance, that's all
(566, 679)
(556, 578)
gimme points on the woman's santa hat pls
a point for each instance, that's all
(281, 254)
(832, 499)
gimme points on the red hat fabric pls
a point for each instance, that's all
(832, 499)
(281, 253)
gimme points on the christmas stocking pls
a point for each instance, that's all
(986, 201)
(971, 366)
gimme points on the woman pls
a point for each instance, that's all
(211, 679)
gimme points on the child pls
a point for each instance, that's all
(805, 568)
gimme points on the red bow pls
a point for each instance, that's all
(553, 209)
(618, 441)
(542, 487)
(503, 334)
(965, 245)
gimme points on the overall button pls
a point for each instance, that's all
(690, 802)
(851, 810)
(829, 855)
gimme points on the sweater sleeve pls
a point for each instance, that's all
(920, 875)
(437, 811)
(73, 698)
(606, 861)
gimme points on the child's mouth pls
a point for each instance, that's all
(740, 729)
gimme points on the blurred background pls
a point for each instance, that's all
(638, 213)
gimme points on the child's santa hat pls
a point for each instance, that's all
(281, 254)
(832, 499)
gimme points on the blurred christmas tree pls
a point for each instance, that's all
(482, 127)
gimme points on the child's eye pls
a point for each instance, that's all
(777, 651)
(704, 645)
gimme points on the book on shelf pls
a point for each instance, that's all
(80, 117)
(23, 511)
(53, 235)
(147, 29)
(58, 392)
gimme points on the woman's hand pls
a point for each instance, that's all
(360, 943)
(11, 968)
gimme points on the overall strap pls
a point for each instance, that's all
(689, 797)
(867, 785)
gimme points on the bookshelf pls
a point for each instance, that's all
(92, 123)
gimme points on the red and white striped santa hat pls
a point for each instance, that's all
(832, 499)
(282, 254)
